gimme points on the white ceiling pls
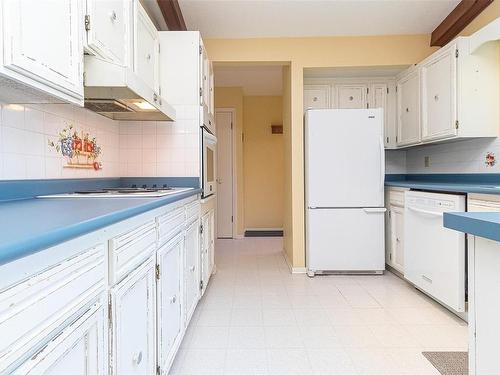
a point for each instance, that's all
(294, 18)
(255, 80)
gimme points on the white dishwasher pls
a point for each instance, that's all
(434, 255)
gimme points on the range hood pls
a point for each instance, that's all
(118, 93)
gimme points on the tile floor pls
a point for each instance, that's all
(258, 318)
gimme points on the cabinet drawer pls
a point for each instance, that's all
(78, 349)
(192, 211)
(34, 308)
(397, 198)
(130, 249)
(170, 224)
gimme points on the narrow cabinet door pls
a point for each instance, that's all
(169, 260)
(49, 52)
(408, 98)
(397, 241)
(146, 48)
(191, 269)
(133, 321)
(108, 25)
(439, 110)
(351, 96)
(316, 96)
(205, 256)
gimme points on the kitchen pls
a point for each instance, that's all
(115, 267)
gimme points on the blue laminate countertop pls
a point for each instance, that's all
(482, 224)
(486, 183)
(31, 225)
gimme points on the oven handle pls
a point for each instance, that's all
(425, 212)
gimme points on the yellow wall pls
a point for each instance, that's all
(263, 162)
(232, 97)
(300, 53)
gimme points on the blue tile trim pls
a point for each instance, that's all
(24, 189)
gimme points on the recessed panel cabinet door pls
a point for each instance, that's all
(439, 96)
(146, 44)
(191, 269)
(169, 259)
(108, 25)
(133, 320)
(350, 96)
(408, 98)
(397, 240)
(42, 41)
(316, 96)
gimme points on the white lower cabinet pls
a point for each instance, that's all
(207, 248)
(395, 228)
(80, 349)
(169, 297)
(133, 320)
(191, 269)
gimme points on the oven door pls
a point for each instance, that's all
(209, 160)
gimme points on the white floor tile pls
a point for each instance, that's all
(246, 361)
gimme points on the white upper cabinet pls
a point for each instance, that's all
(351, 96)
(439, 94)
(41, 53)
(316, 96)
(408, 108)
(108, 24)
(146, 48)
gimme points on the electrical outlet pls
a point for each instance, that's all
(427, 161)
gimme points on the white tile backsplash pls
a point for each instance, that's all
(129, 148)
(395, 162)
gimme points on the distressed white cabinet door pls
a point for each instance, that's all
(397, 240)
(133, 321)
(211, 250)
(439, 96)
(80, 348)
(205, 252)
(351, 96)
(146, 48)
(42, 41)
(108, 25)
(316, 96)
(191, 269)
(169, 260)
(408, 108)
(204, 77)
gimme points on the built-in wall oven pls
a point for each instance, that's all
(208, 154)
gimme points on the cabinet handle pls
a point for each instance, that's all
(137, 358)
(407, 109)
(173, 299)
(113, 16)
(191, 268)
(436, 97)
(148, 56)
(155, 97)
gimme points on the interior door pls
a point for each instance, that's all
(191, 269)
(439, 79)
(169, 259)
(27, 33)
(224, 169)
(351, 96)
(109, 28)
(409, 109)
(344, 158)
(345, 239)
(146, 49)
(134, 322)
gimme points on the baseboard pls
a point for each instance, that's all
(290, 267)
(262, 232)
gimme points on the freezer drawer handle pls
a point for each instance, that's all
(429, 280)
(374, 210)
(425, 212)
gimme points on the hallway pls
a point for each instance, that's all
(257, 318)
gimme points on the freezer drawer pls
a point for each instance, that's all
(345, 240)
(434, 255)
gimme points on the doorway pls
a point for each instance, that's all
(225, 173)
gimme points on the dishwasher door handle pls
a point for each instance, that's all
(425, 212)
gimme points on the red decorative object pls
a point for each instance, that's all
(77, 144)
(490, 159)
(97, 165)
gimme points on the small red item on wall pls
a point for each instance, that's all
(77, 144)
(89, 146)
(490, 159)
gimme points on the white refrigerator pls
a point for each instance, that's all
(344, 184)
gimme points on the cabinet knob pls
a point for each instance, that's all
(173, 299)
(407, 110)
(112, 16)
(148, 56)
(315, 99)
(155, 97)
(191, 268)
(351, 98)
(436, 97)
(137, 358)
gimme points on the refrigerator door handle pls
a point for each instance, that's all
(375, 210)
(382, 163)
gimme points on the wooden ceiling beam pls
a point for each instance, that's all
(457, 20)
(172, 14)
